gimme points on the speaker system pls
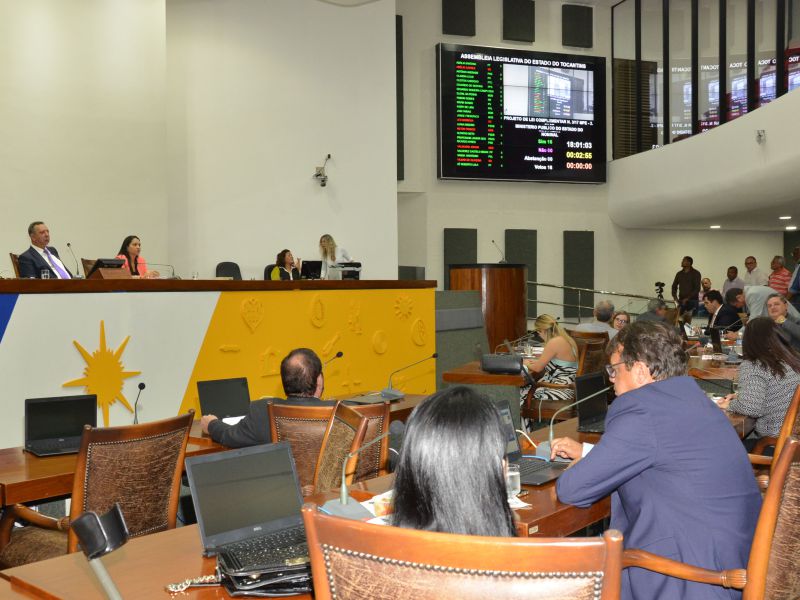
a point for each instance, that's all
(577, 26)
(519, 20)
(458, 17)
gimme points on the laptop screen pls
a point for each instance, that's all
(311, 269)
(61, 417)
(244, 493)
(585, 386)
(224, 397)
(513, 451)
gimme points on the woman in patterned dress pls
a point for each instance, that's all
(558, 364)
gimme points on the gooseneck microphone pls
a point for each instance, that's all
(502, 254)
(392, 394)
(543, 449)
(344, 505)
(136, 404)
(339, 354)
(77, 264)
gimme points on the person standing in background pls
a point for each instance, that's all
(780, 277)
(332, 254)
(732, 280)
(686, 286)
(753, 275)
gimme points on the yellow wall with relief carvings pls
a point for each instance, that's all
(377, 330)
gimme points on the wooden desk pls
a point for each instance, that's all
(711, 369)
(472, 373)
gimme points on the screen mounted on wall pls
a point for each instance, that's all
(520, 116)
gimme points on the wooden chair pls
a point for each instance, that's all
(138, 466)
(343, 436)
(15, 263)
(87, 264)
(771, 572)
(304, 427)
(355, 560)
(228, 269)
(595, 337)
(790, 427)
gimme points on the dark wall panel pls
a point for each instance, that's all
(576, 25)
(460, 247)
(519, 20)
(578, 270)
(521, 248)
(458, 17)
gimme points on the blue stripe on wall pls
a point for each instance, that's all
(7, 302)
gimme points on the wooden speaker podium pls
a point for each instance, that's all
(504, 297)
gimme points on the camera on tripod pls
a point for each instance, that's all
(660, 289)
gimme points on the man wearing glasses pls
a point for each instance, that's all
(680, 481)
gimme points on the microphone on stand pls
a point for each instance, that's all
(77, 264)
(543, 449)
(339, 354)
(344, 505)
(502, 254)
(136, 404)
(171, 267)
(392, 394)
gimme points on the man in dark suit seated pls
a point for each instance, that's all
(40, 257)
(721, 316)
(680, 481)
(303, 384)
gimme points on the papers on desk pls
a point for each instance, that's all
(232, 420)
(380, 506)
(516, 503)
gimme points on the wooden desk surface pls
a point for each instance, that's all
(472, 373)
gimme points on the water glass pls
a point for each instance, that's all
(513, 486)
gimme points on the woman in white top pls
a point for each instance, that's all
(332, 254)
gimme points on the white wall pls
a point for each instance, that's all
(82, 125)
(626, 260)
(258, 94)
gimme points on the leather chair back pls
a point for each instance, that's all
(228, 269)
(343, 436)
(351, 559)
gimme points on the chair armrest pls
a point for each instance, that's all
(22, 512)
(732, 578)
(758, 460)
(763, 443)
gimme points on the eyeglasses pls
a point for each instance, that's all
(611, 371)
(621, 320)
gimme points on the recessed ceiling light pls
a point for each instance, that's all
(714, 226)
(791, 227)
(785, 218)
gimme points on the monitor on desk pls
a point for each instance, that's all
(105, 263)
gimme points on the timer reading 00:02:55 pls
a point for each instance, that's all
(572, 154)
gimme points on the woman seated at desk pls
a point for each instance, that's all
(558, 364)
(286, 268)
(133, 262)
(768, 377)
(450, 476)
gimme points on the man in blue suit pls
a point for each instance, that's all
(41, 257)
(680, 481)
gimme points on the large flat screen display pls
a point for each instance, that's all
(520, 116)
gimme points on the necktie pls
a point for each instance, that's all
(60, 270)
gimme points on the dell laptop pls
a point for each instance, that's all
(591, 412)
(248, 504)
(532, 471)
(55, 425)
(224, 398)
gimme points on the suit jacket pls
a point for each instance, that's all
(681, 486)
(31, 264)
(254, 428)
(727, 318)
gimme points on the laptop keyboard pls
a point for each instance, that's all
(69, 444)
(526, 467)
(276, 549)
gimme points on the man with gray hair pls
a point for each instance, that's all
(603, 311)
(656, 311)
(781, 277)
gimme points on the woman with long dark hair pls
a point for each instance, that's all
(129, 252)
(451, 473)
(768, 377)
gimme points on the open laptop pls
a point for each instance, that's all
(55, 425)
(592, 412)
(311, 269)
(248, 504)
(224, 398)
(532, 471)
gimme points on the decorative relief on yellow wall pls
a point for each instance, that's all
(403, 307)
(317, 313)
(380, 343)
(252, 313)
(230, 348)
(104, 374)
(269, 363)
(419, 332)
(330, 345)
(351, 381)
(354, 318)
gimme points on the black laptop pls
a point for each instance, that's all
(248, 504)
(224, 398)
(311, 269)
(55, 425)
(532, 471)
(716, 340)
(592, 412)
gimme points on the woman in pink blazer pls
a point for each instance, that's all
(129, 252)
